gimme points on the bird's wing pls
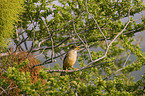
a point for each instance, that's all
(64, 66)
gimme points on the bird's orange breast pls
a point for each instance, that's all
(70, 59)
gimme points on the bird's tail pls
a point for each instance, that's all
(63, 73)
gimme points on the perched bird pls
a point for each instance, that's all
(70, 58)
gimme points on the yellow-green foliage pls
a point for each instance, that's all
(9, 10)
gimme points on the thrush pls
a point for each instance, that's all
(70, 58)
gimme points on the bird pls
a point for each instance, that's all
(70, 58)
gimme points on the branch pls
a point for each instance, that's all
(51, 46)
(118, 69)
(69, 71)
(34, 50)
(3, 90)
(13, 88)
(108, 46)
(32, 45)
(96, 59)
(7, 53)
(20, 43)
(45, 48)
(134, 31)
(51, 34)
(43, 41)
(30, 32)
(47, 61)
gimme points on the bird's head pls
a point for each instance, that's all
(75, 47)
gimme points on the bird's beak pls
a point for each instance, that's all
(77, 47)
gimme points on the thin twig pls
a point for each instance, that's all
(129, 54)
(20, 43)
(133, 31)
(96, 23)
(118, 70)
(82, 42)
(126, 60)
(51, 38)
(88, 48)
(32, 45)
(39, 54)
(43, 41)
(9, 86)
(13, 88)
(52, 54)
(123, 64)
(25, 42)
(35, 25)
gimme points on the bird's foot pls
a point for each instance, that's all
(66, 70)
